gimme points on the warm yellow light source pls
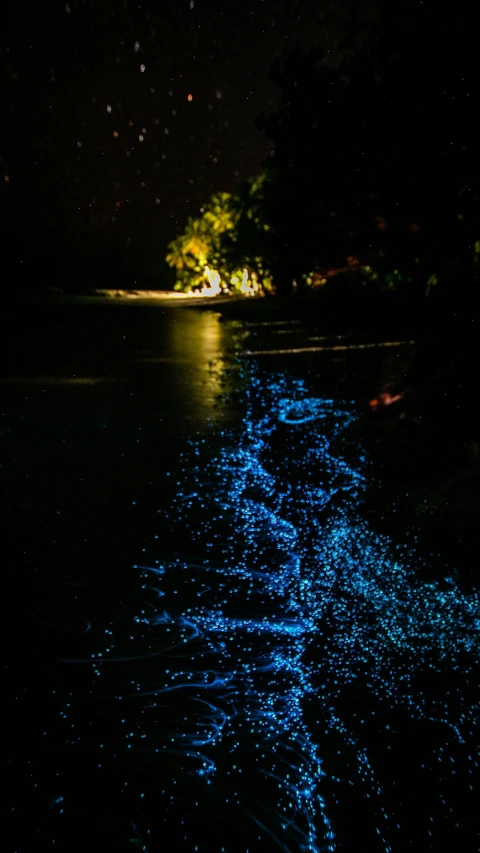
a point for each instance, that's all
(247, 287)
(214, 282)
(190, 97)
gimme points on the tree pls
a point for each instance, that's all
(249, 245)
(204, 256)
(377, 158)
(188, 253)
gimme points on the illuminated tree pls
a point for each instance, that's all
(223, 250)
(220, 215)
(197, 255)
(189, 252)
(249, 245)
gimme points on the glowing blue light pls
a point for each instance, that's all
(292, 598)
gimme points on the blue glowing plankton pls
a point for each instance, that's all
(295, 648)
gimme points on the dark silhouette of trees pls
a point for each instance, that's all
(375, 170)
(377, 158)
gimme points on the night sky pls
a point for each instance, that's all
(122, 118)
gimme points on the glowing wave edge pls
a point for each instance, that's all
(294, 626)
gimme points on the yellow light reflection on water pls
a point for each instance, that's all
(196, 344)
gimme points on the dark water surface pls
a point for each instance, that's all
(217, 639)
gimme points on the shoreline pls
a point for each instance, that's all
(432, 428)
(367, 316)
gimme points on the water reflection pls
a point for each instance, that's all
(192, 343)
(197, 341)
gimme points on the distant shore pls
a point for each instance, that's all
(366, 316)
(332, 311)
(116, 296)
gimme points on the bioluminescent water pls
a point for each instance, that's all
(297, 684)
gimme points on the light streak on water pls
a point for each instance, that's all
(290, 639)
(54, 380)
(270, 323)
(333, 348)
